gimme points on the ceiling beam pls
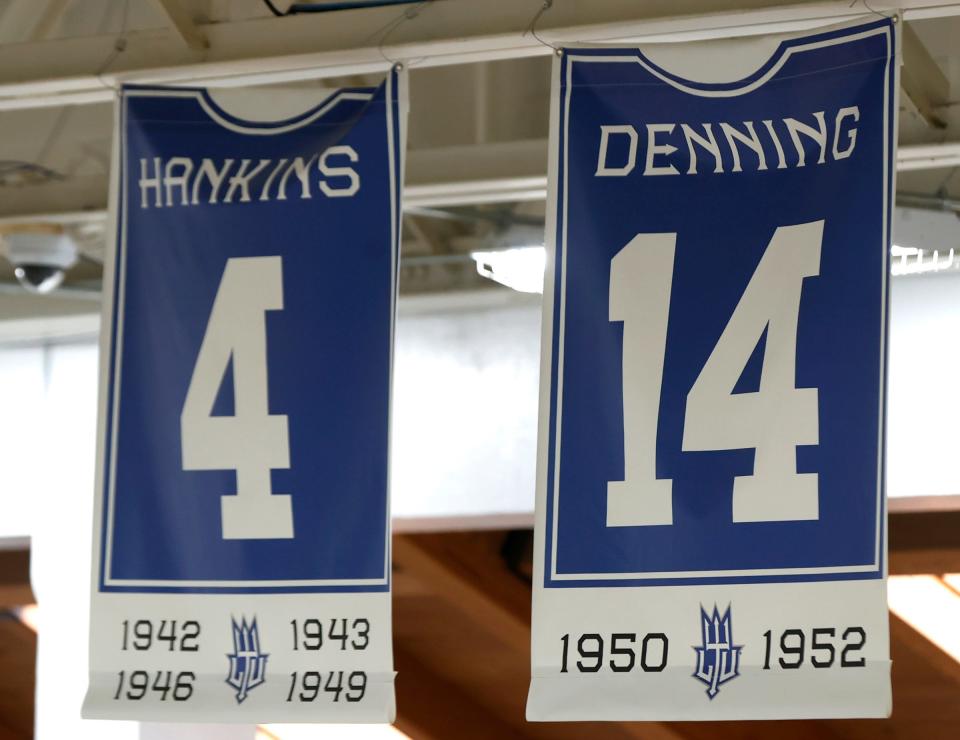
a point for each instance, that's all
(183, 24)
(302, 47)
(920, 542)
(907, 504)
(928, 156)
(469, 572)
(923, 82)
(924, 542)
(929, 654)
(74, 194)
(15, 587)
(431, 708)
(498, 173)
(49, 16)
(18, 657)
(491, 604)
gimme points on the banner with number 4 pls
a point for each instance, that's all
(241, 565)
(710, 522)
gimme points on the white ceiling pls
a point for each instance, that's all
(480, 121)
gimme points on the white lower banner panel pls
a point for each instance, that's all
(772, 651)
(276, 658)
(710, 533)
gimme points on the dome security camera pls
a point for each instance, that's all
(40, 259)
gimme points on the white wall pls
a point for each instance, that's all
(923, 403)
(21, 422)
(465, 409)
(465, 406)
(60, 561)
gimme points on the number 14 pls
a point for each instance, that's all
(773, 421)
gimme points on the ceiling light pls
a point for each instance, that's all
(520, 268)
(913, 261)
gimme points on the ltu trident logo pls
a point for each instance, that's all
(718, 659)
(248, 666)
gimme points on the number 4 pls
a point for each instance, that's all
(252, 441)
(773, 420)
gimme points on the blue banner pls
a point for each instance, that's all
(715, 326)
(246, 404)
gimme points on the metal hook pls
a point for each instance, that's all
(532, 27)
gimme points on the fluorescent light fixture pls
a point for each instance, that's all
(931, 605)
(913, 261)
(520, 268)
(928, 156)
